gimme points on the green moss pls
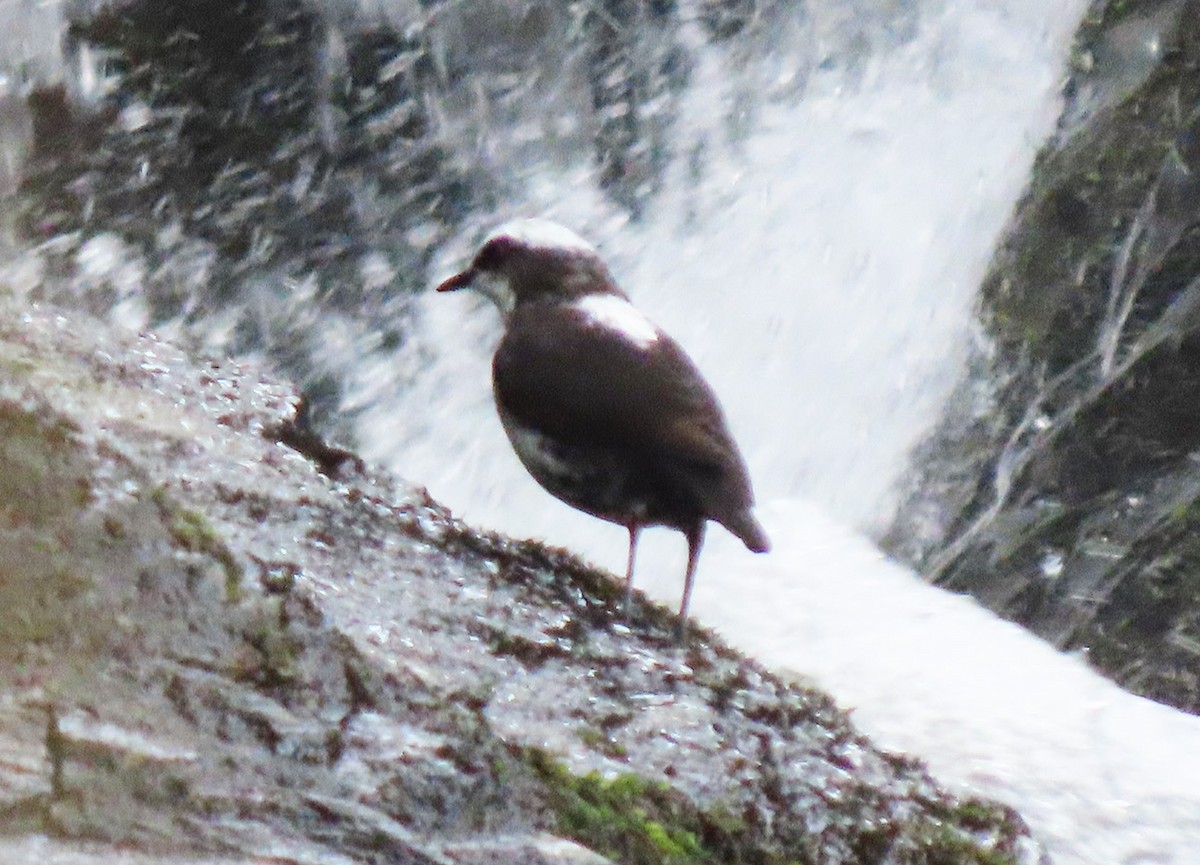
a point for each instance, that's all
(725, 821)
(636, 821)
(192, 531)
(946, 835)
(275, 660)
(629, 818)
(974, 813)
(679, 844)
(160, 497)
(602, 742)
(942, 845)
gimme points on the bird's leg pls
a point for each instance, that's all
(634, 529)
(695, 539)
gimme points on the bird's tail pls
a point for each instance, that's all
(750, 530)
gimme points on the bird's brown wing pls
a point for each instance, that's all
(592, 386)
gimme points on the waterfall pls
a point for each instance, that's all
(822, 228)
(827, 190)
(818, 254)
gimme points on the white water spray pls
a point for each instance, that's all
(822, 271)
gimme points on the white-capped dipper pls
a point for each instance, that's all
(605, 410)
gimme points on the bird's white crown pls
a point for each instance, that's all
(542, 234)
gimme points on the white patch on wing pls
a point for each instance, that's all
(543, 234)
(616, 313)
(538, 454)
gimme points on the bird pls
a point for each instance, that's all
(605, 410)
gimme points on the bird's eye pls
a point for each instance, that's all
(494, 253)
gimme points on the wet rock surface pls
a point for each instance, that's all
(209, 648)
(1064, 493)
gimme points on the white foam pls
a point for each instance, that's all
(1102, 776)
(617, 314)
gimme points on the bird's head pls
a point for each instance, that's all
(533, 259)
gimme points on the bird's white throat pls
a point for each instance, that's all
(615, 313)
(497, 289)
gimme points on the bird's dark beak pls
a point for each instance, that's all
(459, 280)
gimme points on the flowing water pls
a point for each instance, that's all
(820, 264)
(834, 184)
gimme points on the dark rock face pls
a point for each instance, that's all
(1066, 495)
